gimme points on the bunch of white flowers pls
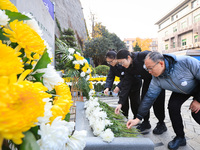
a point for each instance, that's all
(57, 136)
(98, 119)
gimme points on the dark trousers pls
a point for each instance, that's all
(158, 106)
(175, 102)
(134, 96)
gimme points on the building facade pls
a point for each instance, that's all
(129, 44)
(179, 29)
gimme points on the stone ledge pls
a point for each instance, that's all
(119, 143)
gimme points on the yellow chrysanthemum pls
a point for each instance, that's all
(78, 57)
(87, 65)
(117, 79)
(61, 103)
(26, 37)
(77, 66)
(91, 86)
(21, 103)
(6, 4)
(84, 69)
(10, 63)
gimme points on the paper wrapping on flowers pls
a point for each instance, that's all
(32, 94)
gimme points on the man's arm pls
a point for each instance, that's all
(148, 100)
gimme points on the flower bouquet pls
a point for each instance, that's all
(34, 99)
(77, 67)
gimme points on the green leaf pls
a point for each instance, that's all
(29, 142)
(43, 62)
(16, 15)
(34, 130)
(67, 117)
(3, 37)
(38, 76)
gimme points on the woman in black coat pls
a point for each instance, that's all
(118, 70)
(134, 62)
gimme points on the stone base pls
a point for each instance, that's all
(119, 143)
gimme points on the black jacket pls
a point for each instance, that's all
(118, 71)
(134, 71)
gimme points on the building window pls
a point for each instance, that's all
(194, 3)
(197, 18)
(166, 47)
(184, 42)
(174, 29)
(174, 44)
(127, 42)
(196, 38)
(184, 25)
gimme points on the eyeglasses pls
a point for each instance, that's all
(149, 69)
(121, 63)
(110, 62)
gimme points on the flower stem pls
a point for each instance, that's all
(1, 141)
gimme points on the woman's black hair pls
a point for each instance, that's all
(123, 54)
(111, 54)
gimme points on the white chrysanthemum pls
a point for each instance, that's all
(108, 122)
(80, 62)
(70, 57)
(107, 135)
(88, 71)
(49, 49)
(92, 92)
(77, 141)
(102, 83)
(71, 50)
(50, 77)
(100, 114)
(116, 82)
(47, 113)
(82, 74)
(87, 78)
(78, 53)
(69, 83)
(56, 135)
(85, 61)
(75, 62)
(4, 18)
(32, 23)
(99, 127)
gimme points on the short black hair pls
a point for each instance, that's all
(112, 54)
(123, 54)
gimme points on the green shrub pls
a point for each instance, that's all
(102, 70)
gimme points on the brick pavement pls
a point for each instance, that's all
(192, 129)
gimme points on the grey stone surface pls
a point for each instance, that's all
(119, 143)
(192, 129)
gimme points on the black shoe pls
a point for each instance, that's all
(176, 142)
(143, 126)
(160, 128)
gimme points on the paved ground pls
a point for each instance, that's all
(192, 129)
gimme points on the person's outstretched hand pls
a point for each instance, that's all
(106, 91)
(116, 90)
(132, 122)
(118, 108)
(195, 106)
